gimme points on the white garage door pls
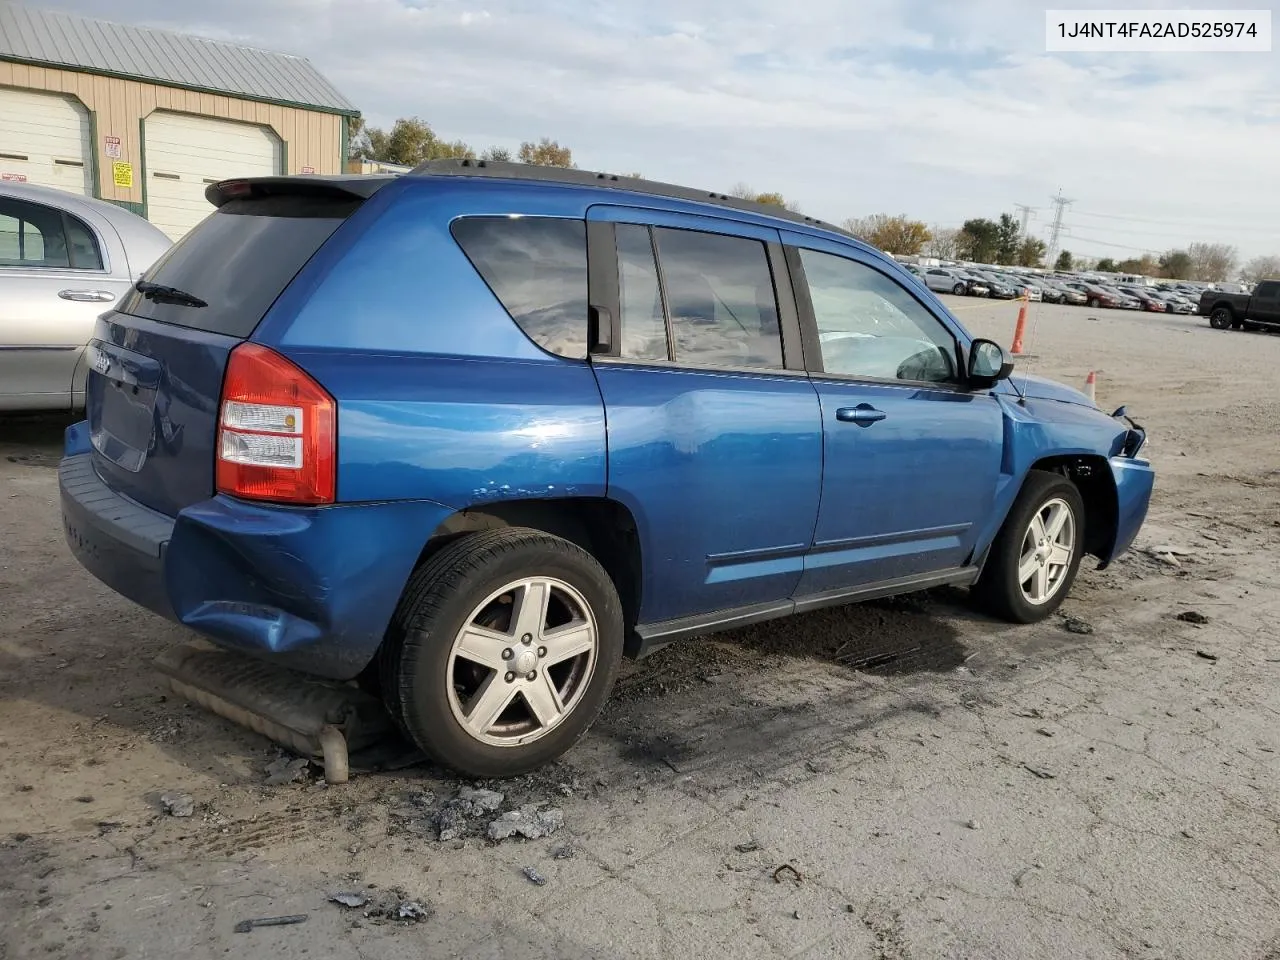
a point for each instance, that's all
(44, 139)
(185, 154)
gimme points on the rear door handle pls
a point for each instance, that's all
(864, 414)
(88, 296)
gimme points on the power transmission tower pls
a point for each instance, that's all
(1061, 203)
(1027, 214)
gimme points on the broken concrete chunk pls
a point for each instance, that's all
(475, 802)
(528, 822)
(412, 910)
(285, 770)
(1193, 616)
(349, 899)
(451, 823)
(1076, 625)
(535, 877)
(178, 804)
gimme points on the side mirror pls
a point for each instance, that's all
(988, 364)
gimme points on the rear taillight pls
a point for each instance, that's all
(276, 431)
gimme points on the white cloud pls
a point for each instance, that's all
(938, 109)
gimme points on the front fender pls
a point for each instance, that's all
(1041, 432)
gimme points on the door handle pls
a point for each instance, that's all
(88, 296)
(864, 414)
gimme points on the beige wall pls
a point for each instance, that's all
(311, 139)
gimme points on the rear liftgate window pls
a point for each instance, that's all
(238, 261)
(537, 268)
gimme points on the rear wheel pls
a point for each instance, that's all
(1221, 319)
(1094, 303)
(503, 651)
(958, 289)
(1037, 553)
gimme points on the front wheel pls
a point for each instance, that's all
(958, 289)
(1037, 553)
(503, 651)
(1094, 303)
(1221, 319)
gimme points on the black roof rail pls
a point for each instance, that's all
(586, 178)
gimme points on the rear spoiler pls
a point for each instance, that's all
(338, 187)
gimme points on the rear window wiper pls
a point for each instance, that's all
(162, 294)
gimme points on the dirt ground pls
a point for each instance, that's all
(896, 780)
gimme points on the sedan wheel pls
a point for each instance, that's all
(958, 289)
(1094, 303)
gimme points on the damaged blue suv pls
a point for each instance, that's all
(475, 433)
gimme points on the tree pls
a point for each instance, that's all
(898, 234)
(979, 240)
(1145, 265)
(497, 155)
(1261, 268)
(744, 192)
(1064, 261)
(1007, 239)
(1176, 264)
(546, 153)
(410, 141)
(943, 243)
(1106, 265)
(1214, 262)
(358, 147)
(1031, 252)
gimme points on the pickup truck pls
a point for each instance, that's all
(1232, 311)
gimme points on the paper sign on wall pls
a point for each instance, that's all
(122, 174)
(308, 169)
(113, 147)
(14, 177)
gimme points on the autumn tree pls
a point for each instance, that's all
(775, 199)
(1261, 268)
(943, 243)
(410, 141)
(1064, 261)
(1106, 265)
(891, 234)
(1031, 252)
(1213, 262)
(1176, 264)
(545, 153)
(497, 155)
(979, 240)
(1145, 265)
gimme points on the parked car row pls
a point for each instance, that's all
(1004, 284)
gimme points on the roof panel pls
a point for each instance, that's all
(165, 57)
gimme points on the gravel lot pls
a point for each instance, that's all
(895, 780)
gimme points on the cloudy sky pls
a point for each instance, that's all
(940, 109)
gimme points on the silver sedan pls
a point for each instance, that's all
(64, 259)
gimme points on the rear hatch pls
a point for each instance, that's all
(157, 362)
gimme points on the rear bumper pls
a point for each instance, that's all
(312, 589)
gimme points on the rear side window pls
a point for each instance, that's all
(537, 268)
(238, 261)
(1268, 288)
(34, 235)
(720, 299)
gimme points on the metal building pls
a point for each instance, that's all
(147, 118)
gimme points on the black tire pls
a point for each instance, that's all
(441, 596)
(1221, 318)
(1094, 303)
(958, 289)
(999, 590)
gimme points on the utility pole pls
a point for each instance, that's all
(1027, 214)
(1061, 203)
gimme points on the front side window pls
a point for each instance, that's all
(869, 326)
(720, 299)
(33, 235)
(537, 268)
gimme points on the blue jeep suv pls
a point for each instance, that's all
(474, 433)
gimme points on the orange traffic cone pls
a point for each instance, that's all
(1091, 386)
(1021, 329)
